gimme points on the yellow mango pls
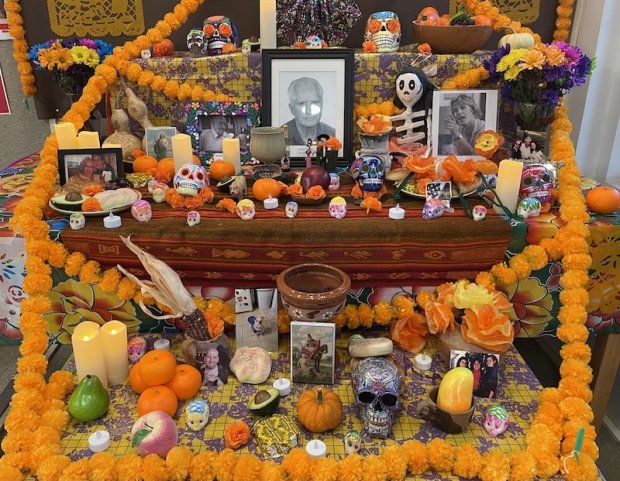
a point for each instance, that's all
(456, 390)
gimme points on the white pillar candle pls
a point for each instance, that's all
(114, 340)
(232, 152)
(396, 212)
(181, 150)
(88, 140)
(66, 135)
(508, 183)
(268, 37)
(316, 449)
(88, 351)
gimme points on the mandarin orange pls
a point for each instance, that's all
(158, 398)
(186, 382)
(157, 367)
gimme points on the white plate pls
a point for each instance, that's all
(98, 212)
(423, 196)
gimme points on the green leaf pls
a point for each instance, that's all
(139, 436)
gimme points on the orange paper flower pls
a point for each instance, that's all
(370, 203)
(227, 204)
(425, 48)
(237, 434)
(296, 189)
(369, 46)
(438, 317)
(488, 328)
(410, 332)
(316, 192)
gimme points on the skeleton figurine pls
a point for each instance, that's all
(291, 209)
(196, 42)
(414, 93)
(352, 442)
(376, 383)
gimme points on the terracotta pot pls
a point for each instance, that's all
(454, 340)
(313, 292)
(448, 422)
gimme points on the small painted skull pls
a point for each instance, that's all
(146, 53)
(479, 212)
(136, 348)
(314, 41)
(291, 209)
(383, 28)
(77, 221)
(432, 209)
(334, 182)
(197, 415)
(338, 207)
(246, 209)
(141, 211)
(536, 181)
(352, 442)
(193, 218)
(219, 31)
(159, 192)
(371, 173)
(529, 207)
(196, 41)
(496, 420)
(190, 180)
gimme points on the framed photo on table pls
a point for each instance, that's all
(96, 166)
(313, 352)
(159, 141)
(311, 92)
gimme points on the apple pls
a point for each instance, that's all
(154, 433)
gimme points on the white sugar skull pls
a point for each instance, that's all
(193, 218)
(291, 209)
(190, 180)
(141, 211)
(313, 41)
(196, 41)
(136, 348)
(371, 173)
(197, 415)
(536, 181)
(334, 182)
(146, 53)
(77, 221)
(383, 28)
(432, 209)
(376, 383)
(338, 207)
(245, 209)
(479, 212)
(529, 207)
(352, 442)
(159, 192)
(219, 31)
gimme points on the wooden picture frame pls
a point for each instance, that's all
(98, 165)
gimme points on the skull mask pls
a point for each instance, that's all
(338, 208)
(370, 176)
(219, 31)
(195, 41)
(376, 383)
(536, 181)
(190, 180)
(77, 221)
(383, 28)
(193, 218)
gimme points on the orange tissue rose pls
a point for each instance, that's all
(370, 203)
(409, 332)
(296, 189)
(236, 435)
(488, 328)
(227, 204)
(316, 192)
(439, 317)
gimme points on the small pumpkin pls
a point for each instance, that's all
(221, 168)
(517, 40)
(319, 410)
(263, 188)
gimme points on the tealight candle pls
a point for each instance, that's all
(99, 441)
(396, 212)
(316, 449)
(114, 340)
(270, 203)
(112, 221)
(423, 362)
(283, 386)
(163, 344)
(88, 351)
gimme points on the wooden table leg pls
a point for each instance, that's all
(605, 362)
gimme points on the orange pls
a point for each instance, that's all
(186, 382)
(157, 398)
(221, 168)
(157, 367)
(165, 169)
(603, 200)
(135, 381)
(144, 163)
(263, 188)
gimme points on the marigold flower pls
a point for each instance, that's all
(382, 313)
(55, 418)
(248, 468)
(572, 386)
(569, 333)
(350, 312)
(576, 368)
(227, 204)
(576, 350)
(52, 468)
(178, 461)
(154, 467)
(418, 457)
(364, 313)
(574, 408)
(296, 464)
(129, 467)
(395, 458)
(350, 468)
(370, 203)
(201, 466)
(504, 274)
(495, 465)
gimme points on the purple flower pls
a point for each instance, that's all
(87, 42)
(573, 54)
(491, 64)
(581, 70)
(553, 74)
(551, 96)
(69, 42)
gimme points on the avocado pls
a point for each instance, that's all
(70, 201)
(265, 402)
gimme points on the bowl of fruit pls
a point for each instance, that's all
(461, 33)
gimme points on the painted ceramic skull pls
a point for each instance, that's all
(479, 212)
(338, 208)
(196, 41)
(190, 180)
(291, 209)
(141, 211)
(536, 181)
(376, 383)
(245, 209)
(433, 208)
(529, 207)
(409, 88)
(193, 218)
(136, 348)
(197, 415)
(77, 221)
(159, 192)
(352, 442)
(219, 31)
(383, 28)
(496, 420)
(371, 173)
(313, 41)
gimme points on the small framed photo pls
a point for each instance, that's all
(208, 123)
(159, 141)
(256, 318)
(484, 366)
(212, 360)
(441, 190)
(529, 147)
(311, 92)
(313, 352)
(459, 116)
(91, 165)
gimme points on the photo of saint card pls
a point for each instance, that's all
(313, 352)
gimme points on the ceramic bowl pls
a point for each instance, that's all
(452, 38)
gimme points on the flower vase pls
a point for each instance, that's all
(534, 116)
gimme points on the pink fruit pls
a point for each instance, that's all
(154, 433)
(314, 175)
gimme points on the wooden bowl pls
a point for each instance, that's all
(452, 38)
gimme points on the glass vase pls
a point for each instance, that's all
(534, 116)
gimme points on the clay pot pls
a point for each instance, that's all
(448, 422)
(313, 292)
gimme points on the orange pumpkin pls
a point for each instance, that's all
(221, 168)
(263, 188)
(319, 410)
(165, 170)
(144, 163)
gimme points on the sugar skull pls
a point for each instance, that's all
(496, 420)
(479, 212)
(433, 208)
(383, 28)
(193, 218)
(338, 208)
(146, 53)
(536, 181)
(376, 383)
(352, 442)
(529, 207)
(77, 221)
(219, 31)
(159, 192)
(291, 209)
(371, 173)
(197, 415)
(136, 348)
(334, 182)
(245, 209)
(313, 41)
(141, 211)
(196, 41)
(190, 180)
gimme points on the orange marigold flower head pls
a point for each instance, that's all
(395, 459)
(576, 350)
(495, 465)
(154, 467)
(350, 468)
(522, 466)
(201, 466)
(573, 386)
(576, 368)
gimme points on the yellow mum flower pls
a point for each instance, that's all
(533, 60)
(79, 53)
(511, 59)
(512, 73)
(92, 59)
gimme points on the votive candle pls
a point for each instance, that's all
(396, 212)
(508, 184)
(114, 340)
(316, 449)
(88, 140)
(268, 37)
(88, 351)
(232, 152)
(66, 135)
(181, 150)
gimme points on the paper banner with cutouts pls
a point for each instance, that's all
(524, 11)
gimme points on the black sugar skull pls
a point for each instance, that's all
(219, 31)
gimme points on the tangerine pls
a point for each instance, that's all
(603, 200)
(157, 367)
(186, 382)
(221, 168)
(135, 381)
(143, 163)
(263, 188)
(158, 398)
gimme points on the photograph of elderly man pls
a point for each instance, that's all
(306, 105)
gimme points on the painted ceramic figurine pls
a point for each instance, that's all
(496, 420)
(352, 442)
(383, 29)
(334, 182)
(193, 218)
(197, 415)
(371, 173)
(136, 348)
(291, 209)
(529, 207)
(338, 207)
(220, 34)
(159, 192)
(414, 94)
(77, 221)
(190, 180)
(196, 42)
(432, 209)
(141, 211)
(246, 209)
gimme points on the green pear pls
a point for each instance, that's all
(90, 400)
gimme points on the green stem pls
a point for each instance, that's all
(497, 201)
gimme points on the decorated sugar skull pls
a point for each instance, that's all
(246, 209)
(291, 209)
(197, 415)
(190, 180)
(371, 173)
(479, 212)
(352, 442)
(338, 207)
(193, 218)
(383, 28)
(432, 209)
(376, 383)
(159, 192)
(529, 207)
(146, 53)
(136, 348)
(218, 32)
(196, 41)
(77, 221)
(334, 182)
(314, 41)
(141, 211)
(536, 181)
(496, 420)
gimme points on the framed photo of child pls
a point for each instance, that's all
(485, 368)
(313, 352)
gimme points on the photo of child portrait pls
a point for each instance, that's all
(484, 367)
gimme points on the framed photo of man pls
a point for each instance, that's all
(311, 92)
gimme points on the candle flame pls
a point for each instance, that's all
(113, 331)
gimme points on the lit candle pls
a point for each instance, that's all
(181, 150)
(283, 386)
(111, 146)
(396, 212)
(316, 449)
(508, 183)
(114, 340)
(270, 203)
(268, 24)
(88, 351)
(232, 152)
(66, 135)
(88, 140)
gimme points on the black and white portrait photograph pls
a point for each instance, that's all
(459, 117)
(441, 190)
(256, 318)
(484, 367)
(215, 128)
(159, 141)
(313, 350)
(96, 166)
